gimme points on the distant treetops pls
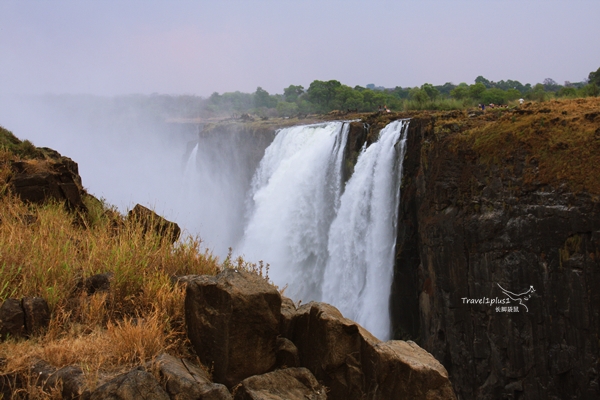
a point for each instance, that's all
(326, 96)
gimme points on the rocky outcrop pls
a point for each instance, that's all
(37, 181)
(502, 272)
(135, 384)
(24, 317)
(185, 381)
(68, 380)
(283, 384)
(152, 222)
(12, 319)
(233, 323)
(240, 330)
(353, 364)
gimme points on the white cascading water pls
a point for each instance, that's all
(325, 245)
(294, 195)
(359, 272)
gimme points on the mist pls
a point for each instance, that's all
(138, 149)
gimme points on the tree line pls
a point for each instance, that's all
(326, 96)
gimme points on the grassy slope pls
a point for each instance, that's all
(44, 252)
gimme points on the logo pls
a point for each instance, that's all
(521, 297)
(503, 304)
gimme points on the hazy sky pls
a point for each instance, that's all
(199, 47)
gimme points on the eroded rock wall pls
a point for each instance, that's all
(468, 230)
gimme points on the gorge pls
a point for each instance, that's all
(489, 221)
(483, 207)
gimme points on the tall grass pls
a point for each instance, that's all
(47, 251)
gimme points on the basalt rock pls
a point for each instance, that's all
(283, 384)
(353, 364)
(12, 319)
(24, 317)
(133, 385)
(185, 381)
(501, 273)
(233, 323)
(41, 181)
(151, 221)
(37, 314)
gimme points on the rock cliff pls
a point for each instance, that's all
(497, 265)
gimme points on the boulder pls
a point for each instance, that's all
(286, 354)
(151, 221)
(282, 384)
(404, 370)
(233, 323)
(133, 385)
(9, 384)
(354, 364)
(41, 181)
(185, 381)
(37, 314)
(97, 283)
(71, 381)
(12, 319)
(288, 309)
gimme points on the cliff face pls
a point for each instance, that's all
(481, 226)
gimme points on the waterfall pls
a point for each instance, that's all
(324, 241)
(359, 271)
(293, 201)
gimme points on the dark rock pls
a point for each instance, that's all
(286, 354)
(70, 379)
(37, 314)
(283, 384)
(40, 372)
(475, 227)
(12, 319)
(404, 370)
(288, 310)
(57, 181)
(9, 384)
(98, 283)
(233, 323)
(151, 221)
(354, 364)
(133, 385)
(185, 381)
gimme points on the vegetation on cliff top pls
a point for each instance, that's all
(559, 140)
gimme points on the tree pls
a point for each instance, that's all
(567, 92)
(460, 92)
(348, 99)
(263, 99)
(486, 83)
(537, 93)
(493, 96)
(431, 91)
(591, 89)
(446, 88)
(287, 109)
(550, 85)
(292, 92)
(419, 95)
(594, 77)
(322, 93)
(476, 90)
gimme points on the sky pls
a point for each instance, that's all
(199, 47)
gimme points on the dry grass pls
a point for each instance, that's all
(44, 252)
(560, 140)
